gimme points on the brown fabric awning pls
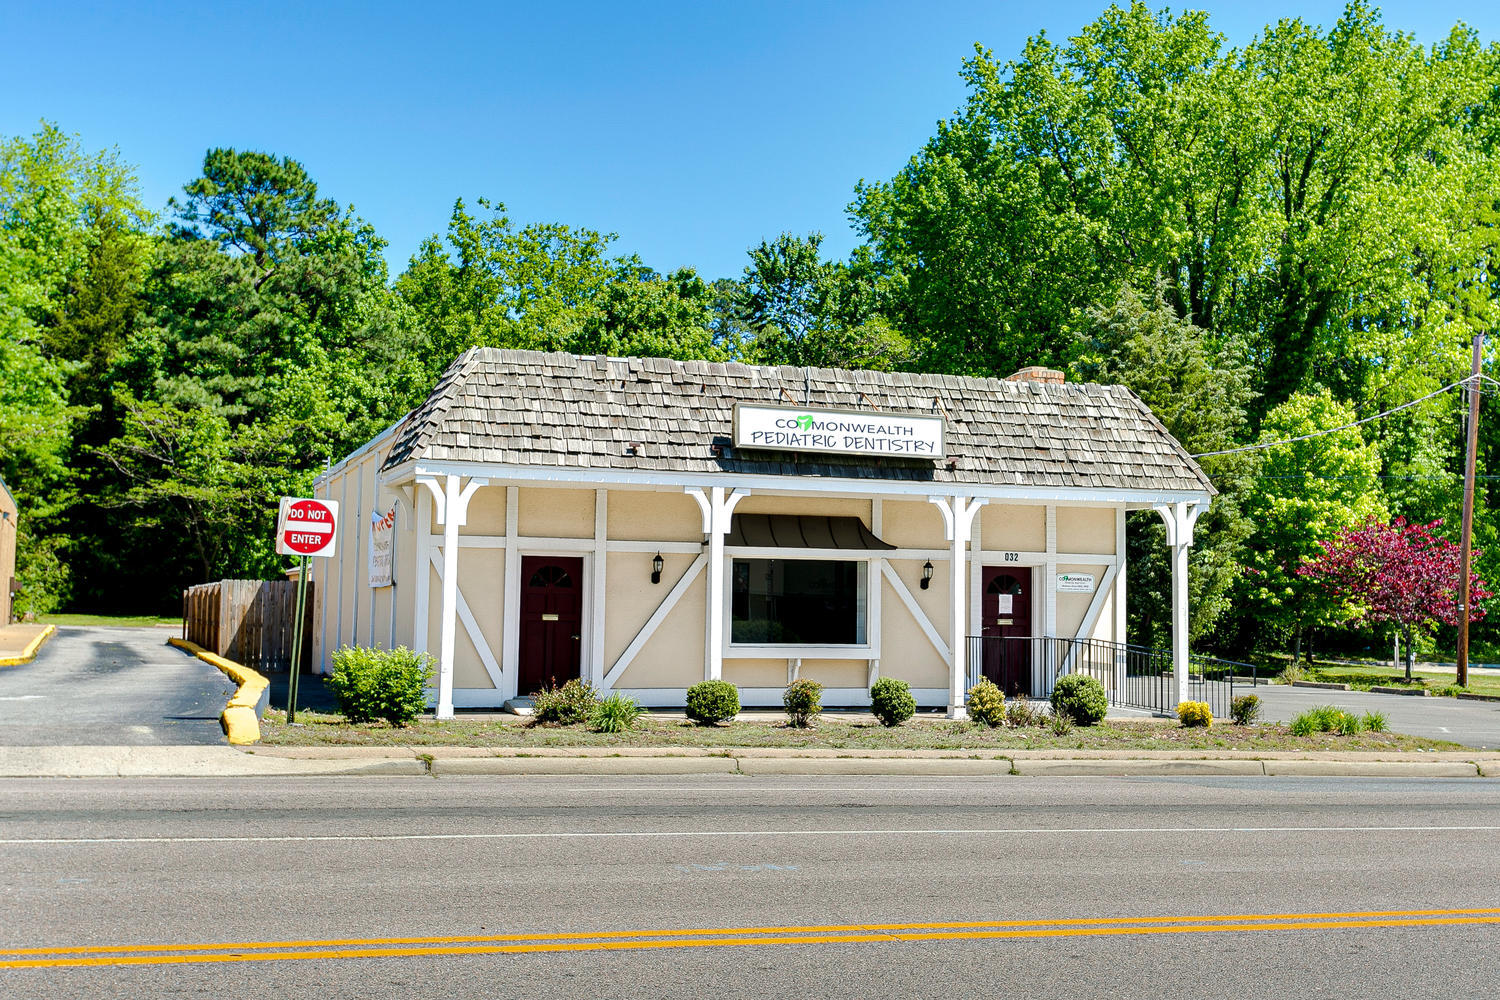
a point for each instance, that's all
(802, 532)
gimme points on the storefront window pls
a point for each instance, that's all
(799, 602)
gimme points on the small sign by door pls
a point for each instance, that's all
(1006, 602)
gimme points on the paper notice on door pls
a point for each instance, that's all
(1005, 603)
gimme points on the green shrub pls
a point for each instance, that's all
(1020, 713)
(891, 701)
(1195, 714)
(1061, 723)
(568, 705)
(986, 703)
(712, 702)
(803, 700)
(1245, 709)
(616, 714)
(387, 684)
(1374, 722)
(1348, 724)
(1080, 696)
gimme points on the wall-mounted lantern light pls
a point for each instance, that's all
(656, 565)
(926, 574)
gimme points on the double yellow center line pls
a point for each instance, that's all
(721, 937)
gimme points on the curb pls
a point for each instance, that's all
(28, 653)
(1409, 692)
(241, 716)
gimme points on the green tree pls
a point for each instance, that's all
(1305, 491)
(1321, 195)
(1200, 389)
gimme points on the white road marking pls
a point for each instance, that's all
(21, 697)
(668, 834)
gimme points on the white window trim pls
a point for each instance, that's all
(867, 650)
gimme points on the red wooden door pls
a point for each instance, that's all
(551, 621)
(1006, 610)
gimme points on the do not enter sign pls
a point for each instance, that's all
(306, 527)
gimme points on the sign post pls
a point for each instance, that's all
(307, 529)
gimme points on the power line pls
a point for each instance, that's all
(1345, 427)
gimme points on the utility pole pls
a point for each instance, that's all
(1466, 542)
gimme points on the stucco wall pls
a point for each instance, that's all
(912, 525)
(7, 553)
(556, 513)
(1013, 527)
(633, 599)
(1072, 607)
(824, 506)
(635, 515)
(906, 653)
(673, 656)
(1086, 529)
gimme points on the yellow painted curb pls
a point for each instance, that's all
(29, 653)
(241, 724)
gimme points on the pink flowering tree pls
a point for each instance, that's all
(1395, 574)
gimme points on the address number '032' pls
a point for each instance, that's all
(1010, 557)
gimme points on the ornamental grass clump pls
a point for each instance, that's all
(388, 684)
(569, 705)
(804, 702)
(1081, 697)
(710, 703)
(1020, 713)
(1245, 709)
(616, 714)
(1328, 719)
(986, 703)
(891, 701)
(1195, 714)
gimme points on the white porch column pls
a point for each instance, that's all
(717, 506)
(1180, 518)
(958, 521)
(452, 500)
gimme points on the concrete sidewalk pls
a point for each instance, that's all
(19, 642)
(224, 762)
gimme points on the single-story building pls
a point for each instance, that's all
(646, 524)
(9, 514)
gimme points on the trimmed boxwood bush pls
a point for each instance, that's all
(986, 703)
(1245, 709)
(891, 701)
(387, 684)
(1080, 696)
(712, 702)
(803, 700)
(1195, 714)
(568, 705)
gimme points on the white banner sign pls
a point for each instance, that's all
(847, 432)
(382, 544)
(1075, 583)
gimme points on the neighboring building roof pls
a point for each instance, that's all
(526, 408)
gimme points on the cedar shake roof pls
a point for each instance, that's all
(527, 408)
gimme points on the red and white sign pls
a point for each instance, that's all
(307, 527)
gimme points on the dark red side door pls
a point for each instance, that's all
(551, 621)
(1006, 608)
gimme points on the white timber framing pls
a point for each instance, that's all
(958, 521)
(471, 626)
(654, 622)
(717, 506)
(594, 668)
(1180, 518)
(451, 495)
(510, 629)
(918, 615)
(1121, 621)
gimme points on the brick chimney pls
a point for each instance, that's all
(1036, 373)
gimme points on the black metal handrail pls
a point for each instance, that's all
(1137, 677)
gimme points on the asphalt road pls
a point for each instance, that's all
(111, 686)
(796, 887)
(1472, 723)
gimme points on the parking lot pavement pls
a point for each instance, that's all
(1472, 723)
(111, 686)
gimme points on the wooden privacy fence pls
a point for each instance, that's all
(248, 621)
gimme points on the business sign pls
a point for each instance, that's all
(1075, 583)
(843, 432)
(306, 527)
(382, 546)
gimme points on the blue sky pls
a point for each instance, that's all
(693, 130)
